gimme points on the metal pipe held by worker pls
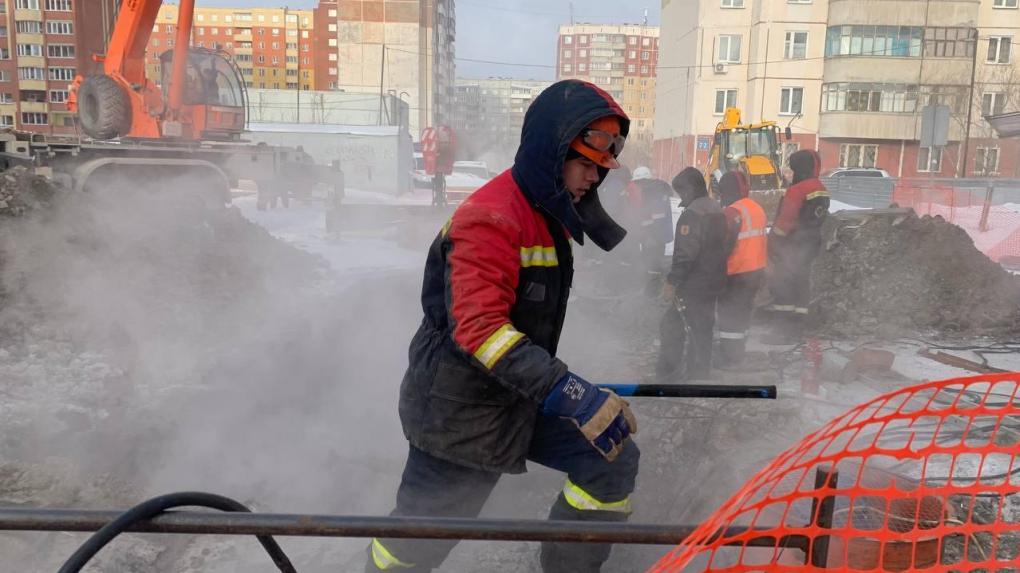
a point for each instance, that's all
(692, 391)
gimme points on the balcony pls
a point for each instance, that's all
(871, 125)
(31, 85)
(905, 12)
(28, 15)
(33, 106)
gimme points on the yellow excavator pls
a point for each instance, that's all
(753, 148)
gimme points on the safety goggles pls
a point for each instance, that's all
(603, 141)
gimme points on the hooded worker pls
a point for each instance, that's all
(745, 266)
(484, 390)
(697, 275)
(795, 241)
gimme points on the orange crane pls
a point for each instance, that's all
(200, 94)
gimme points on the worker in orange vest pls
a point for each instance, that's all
(745, 267)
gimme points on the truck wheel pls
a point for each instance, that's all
(103, 108)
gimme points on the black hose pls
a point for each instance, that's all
(157, 505)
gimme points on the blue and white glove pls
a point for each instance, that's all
(603, 417)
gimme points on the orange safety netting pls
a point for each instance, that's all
(995, 229)
(926, 478)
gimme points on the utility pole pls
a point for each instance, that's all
(970, 107)
(382, 76)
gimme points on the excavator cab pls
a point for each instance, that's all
(213, 92)
(754, 149)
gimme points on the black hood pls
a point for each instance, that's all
(805, 164)
(555, 118)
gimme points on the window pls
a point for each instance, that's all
(732, 3)
(796, 46)
(276, 45)
(582, 40)
(215, 17)
(332, 28)
(7, 120)
(870, 97)
(789, 148)
(34, 118)
(3, 31)
(200, 17)
(214, 31)
(646, 42)
(998, 49)
(567, 54)
(276, 60)
(332, 13)
(791, 101)
(644, 69)
(993, 103)
(332, 71)
(856, 155)
(632, 40)
(567, 68)
(27, 4)
(58, 5)
(949, 42)
(33, 50)
(5, 76)
(986, 160)
(582, 67)
(631, 68)
(646, 56)
(261, 59)
(62, 27)
(928, 161)
(567, 40)
(28, 27)
(729, 49)
(276, 31)
(332, 42)
(1004, 4)
(62, 74)
(880, 41)
(58, 96)
(582, 53)
(6, 97)
(201, 31)
(31, 74)
(5, 54)
(724, 99)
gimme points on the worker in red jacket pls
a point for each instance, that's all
(484, 390)
(745, 267)
(795, 241)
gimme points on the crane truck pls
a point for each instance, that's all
(189, 124)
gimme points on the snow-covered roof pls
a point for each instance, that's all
(367, 130)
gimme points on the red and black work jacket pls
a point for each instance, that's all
(495, 295)
(804, 207)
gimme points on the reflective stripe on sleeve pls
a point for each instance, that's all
(539, 257)
(497, 344)
(816, 195)
(384, 560)
(582, 500)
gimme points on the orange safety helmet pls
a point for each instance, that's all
(601, 141)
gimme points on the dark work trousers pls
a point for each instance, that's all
(434, 487)
(791, 279)
(685, 351)
(736, 305)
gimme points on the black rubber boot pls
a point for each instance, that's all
(576, 557)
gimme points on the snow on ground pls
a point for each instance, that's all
(351, 254)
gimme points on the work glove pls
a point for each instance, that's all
(603, 418)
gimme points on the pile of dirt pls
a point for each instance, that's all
(22, 191)
(899, 273)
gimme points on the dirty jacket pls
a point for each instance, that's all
(805, 205)
(655, 211)
(700, 250)
(494, 294)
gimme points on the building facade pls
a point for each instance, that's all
(850, 77)
(488, 116)
(272, 47)
(43, 45)
(621, 59)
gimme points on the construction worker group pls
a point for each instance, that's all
(484, 390)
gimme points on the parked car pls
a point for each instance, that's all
(466, 178)
(858, 172)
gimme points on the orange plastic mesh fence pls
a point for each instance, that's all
(995, 229)
(926, 478)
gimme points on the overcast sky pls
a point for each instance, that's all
(517, 31)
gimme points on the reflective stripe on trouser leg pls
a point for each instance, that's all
(385, 560)
(584, 501)
(800, 310)
(732, 335)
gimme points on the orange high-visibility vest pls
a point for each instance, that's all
(750, 252)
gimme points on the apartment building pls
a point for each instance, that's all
(489, 115)
(850, 77)
(273, 47)
(42, 44)
(622, 59)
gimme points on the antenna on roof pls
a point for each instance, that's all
(645, 23)
(571, 13)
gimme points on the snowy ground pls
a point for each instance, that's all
(296, 411)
